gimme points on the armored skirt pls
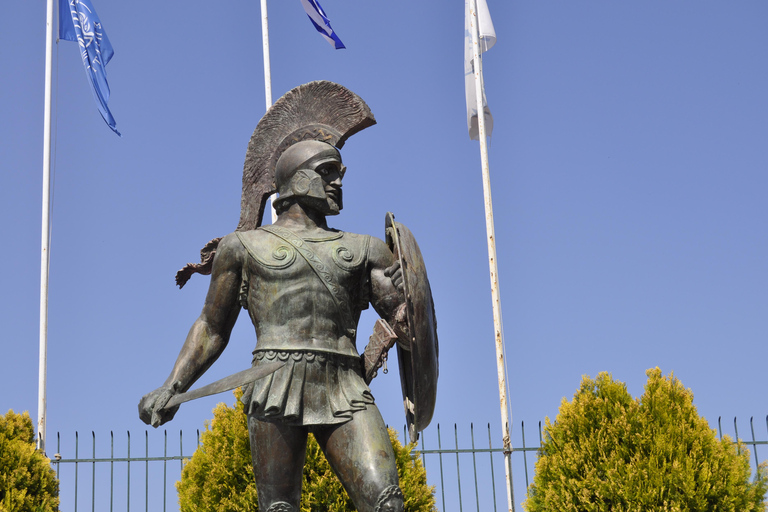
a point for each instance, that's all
(313, 388)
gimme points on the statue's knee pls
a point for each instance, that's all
(390, 500)
(281, 506)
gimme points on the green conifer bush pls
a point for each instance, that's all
(219, 477)
(27, 481)
(609, 452)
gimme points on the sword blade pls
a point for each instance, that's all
(227, 383)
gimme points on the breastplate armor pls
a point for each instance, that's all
(290, 306)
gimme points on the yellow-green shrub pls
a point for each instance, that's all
(609, 452)
(27, 481)
(219, 477)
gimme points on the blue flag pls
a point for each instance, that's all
(79, 22)
(321, 22)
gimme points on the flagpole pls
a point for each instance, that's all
(265, 47)
(45, 236)
(267, 77)
(500, 364)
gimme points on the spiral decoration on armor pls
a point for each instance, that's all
(346, 260)
(283, 254)
(326, 277)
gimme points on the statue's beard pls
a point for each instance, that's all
(326, 205)
(334, 205)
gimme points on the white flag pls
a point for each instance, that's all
(487, 40)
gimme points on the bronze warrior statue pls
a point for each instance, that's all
(304, 286)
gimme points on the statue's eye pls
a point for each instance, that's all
(325, 169)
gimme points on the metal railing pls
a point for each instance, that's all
(120, 466)
(470, 473)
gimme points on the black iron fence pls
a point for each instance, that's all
(466, 466)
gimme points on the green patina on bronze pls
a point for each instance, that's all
(304, 286)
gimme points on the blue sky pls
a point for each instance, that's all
(628, 165)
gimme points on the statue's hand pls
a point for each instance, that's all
(152, 409)
(395, 273)
(400, 326)
(399, 320)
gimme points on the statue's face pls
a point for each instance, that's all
(310, 172)
(331, 171)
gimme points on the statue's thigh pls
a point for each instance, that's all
(278, 453)
(361, 454)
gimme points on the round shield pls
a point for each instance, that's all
(418, 360)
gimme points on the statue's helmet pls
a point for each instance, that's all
(303, 172)
(319, 111)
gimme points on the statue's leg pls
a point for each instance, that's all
(361, 455)
(278, 453)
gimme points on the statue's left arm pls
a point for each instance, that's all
(387, 295)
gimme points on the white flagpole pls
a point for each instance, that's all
(265, 46)
(500, 364)
(267, 77)
(45, 236)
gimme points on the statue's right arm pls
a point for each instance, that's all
(207, 337)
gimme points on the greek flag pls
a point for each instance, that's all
(321, 22)
(79, 22)
(487, 39)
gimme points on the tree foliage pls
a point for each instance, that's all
(219, 477)
(27, 481)
(609, 452)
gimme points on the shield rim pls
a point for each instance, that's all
(418, 416)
